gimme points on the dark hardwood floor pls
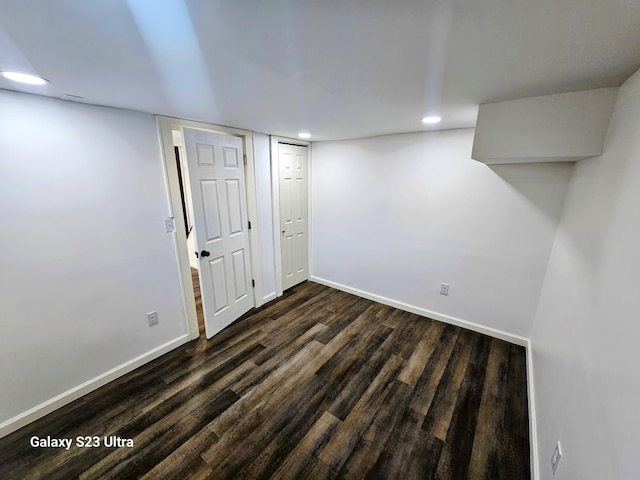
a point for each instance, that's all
(318, 384)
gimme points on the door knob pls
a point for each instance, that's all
(204, 253)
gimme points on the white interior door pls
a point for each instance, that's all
(293, 174)
(216, 177)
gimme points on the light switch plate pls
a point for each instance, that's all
(169, 225)
(152, 318)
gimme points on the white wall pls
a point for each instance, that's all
(586, 333)
(397, 215)
(262, 160)
(83, 252)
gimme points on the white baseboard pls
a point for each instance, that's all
(533, 429)
(268, 298)
(492, 332)
(69, 396)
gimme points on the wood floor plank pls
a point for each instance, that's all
(489, 434)
(456, 453)
(287, 430)
(516, 455)
(411, 328)
(197, 371)
(366, 452)
(155, 444)
(421, 355)
(185, 461)
(438, 418)
(349, 432)
(397, 449)
(254, 409)
(353, 378)
(276, 363)
(300, 460)
(344, 313)
(427, 385)
(262, 449)
(319, 471)
(317, 384)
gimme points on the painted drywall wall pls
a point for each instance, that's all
(586, 331)
(397, 215)
(83, 251)
(262, 160)
(562, 127)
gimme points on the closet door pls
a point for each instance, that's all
(293, 180)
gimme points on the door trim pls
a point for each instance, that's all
(275, 191)
(165, 125)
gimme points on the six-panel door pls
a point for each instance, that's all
(292, 161)
(216, 177)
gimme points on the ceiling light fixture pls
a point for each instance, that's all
(25, 78)
(304, 135)
(433, 119)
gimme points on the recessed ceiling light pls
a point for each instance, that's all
(433, 119)
(25, 78)
(304, 135)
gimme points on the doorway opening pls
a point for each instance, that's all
(206, 209)
(187, 216)
(291, 177)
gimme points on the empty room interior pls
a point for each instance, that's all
(356, 239)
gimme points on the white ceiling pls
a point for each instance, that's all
(338, 68)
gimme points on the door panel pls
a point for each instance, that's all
(239, 275)
(288, 256)
(206, 155)
(234, 205)
(211, 206)
(216, 176)
(219, 278)
(293, 181)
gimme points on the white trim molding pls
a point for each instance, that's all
(533, 424)
(74, 393)
(268, 298)
(492, 332)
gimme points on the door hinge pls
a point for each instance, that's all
(244, 158)
(249, 225)
(253, 282)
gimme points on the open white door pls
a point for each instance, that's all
(216, 177)
(292, 164)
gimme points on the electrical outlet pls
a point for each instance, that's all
(555, 458)
(152, 317)
(444, 289)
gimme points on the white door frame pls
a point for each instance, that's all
(165, 125)
(275, 190)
